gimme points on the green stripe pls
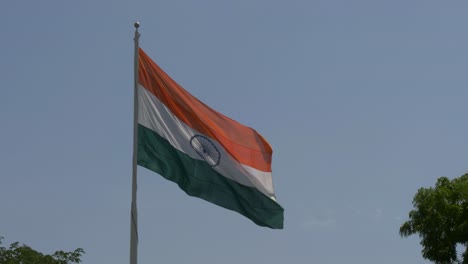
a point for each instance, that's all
(199, 179)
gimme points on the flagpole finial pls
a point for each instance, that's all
(137, 25)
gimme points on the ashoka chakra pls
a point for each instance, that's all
(206, 149)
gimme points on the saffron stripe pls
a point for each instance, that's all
(243, 143)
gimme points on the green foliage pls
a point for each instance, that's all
(23, 254)
(440, 217)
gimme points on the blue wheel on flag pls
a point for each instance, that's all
(206, 149)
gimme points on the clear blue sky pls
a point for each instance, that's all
(363, 101)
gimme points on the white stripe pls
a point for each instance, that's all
(154, 115)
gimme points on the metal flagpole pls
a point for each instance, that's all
(134, 214)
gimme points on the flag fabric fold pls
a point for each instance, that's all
(207, 154)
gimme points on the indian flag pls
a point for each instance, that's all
(207, 154)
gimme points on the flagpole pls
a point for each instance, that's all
(134, 214)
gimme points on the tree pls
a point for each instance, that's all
(23, 254)
(440, 217)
